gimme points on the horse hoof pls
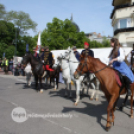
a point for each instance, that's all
(108, 128)
(91, 99)
(75, 104)
(41, 91)
(70, 96)
(132, 117)
(55, 89)
(121, 108)
(96, 99)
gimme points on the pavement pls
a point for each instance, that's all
(61, 116)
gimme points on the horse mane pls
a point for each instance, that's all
(36, 59)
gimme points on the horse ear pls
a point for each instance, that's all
(69, 48)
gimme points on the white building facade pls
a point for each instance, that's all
(123, 21)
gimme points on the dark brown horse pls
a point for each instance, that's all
(109, 86)
(37, 68)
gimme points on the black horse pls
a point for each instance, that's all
(37, 68)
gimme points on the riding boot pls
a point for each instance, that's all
(127, 84)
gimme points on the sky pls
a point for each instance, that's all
(89, 15)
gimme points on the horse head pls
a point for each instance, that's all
(84, 66)
(26, 58)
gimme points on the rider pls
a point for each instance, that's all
(35, 53)
(41, 55)
(87, 50)
(117, 61)
(48, 59)
(77, 54)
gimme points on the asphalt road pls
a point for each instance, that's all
(89, 117)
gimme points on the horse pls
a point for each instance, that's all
(37, 68)
(73, 63)
(109, 85)
(65, 74)
(53, 75)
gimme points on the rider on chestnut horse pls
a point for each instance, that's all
(117, 61)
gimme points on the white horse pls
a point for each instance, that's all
(69, 61)
(65, 74)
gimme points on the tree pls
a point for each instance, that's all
(7, 32)
(2, 11)
(61, 34)
(106, 42)
(21, 20)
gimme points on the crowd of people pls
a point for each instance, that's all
(6, 65)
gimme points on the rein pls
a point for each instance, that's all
(85, 63)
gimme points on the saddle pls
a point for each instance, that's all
(119, 78)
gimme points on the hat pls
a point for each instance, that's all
(74, 47)
(86, 44)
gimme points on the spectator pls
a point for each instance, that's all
(11, 65)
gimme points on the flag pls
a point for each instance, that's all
(4, 54)
(38, 43)
(27, 47)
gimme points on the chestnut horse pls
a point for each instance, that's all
(109, 85)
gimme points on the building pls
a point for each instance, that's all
(77, 27)
(96, 37)
(123, 21)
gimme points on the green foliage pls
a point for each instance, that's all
(61, 34)
(22, 20)
(7, 32)
(2, 11)
(106, 42)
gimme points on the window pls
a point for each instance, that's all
(123, 23)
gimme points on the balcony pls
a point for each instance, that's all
(121, 2)
(119, 7)
(129, 29)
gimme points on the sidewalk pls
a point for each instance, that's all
(3, 73)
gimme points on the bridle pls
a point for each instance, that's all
(69, 58)
(85, 64)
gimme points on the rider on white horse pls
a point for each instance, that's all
(77, 54)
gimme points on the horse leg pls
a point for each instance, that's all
(93, 93)
(66, 85)
(132, 103)
(36, 80)
(41, 90)
(55, 83)
(77, 92)
(97, 89)
(109, 110)
(70, 90)
(124, 103)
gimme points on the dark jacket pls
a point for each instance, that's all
(88, 52)
(77, 55)
(48, 57)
